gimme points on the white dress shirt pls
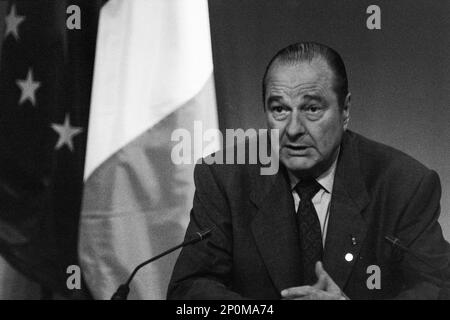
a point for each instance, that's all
(322, 199)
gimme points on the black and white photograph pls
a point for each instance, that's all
(224, 150)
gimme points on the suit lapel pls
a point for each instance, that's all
(274, 230)
(346, 226)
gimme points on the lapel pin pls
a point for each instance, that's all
(348, 257)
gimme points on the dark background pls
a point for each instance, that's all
(399, 76)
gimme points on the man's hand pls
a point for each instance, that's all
(324, 289)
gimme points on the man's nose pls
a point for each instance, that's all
(295, 127)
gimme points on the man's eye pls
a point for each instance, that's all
(277, 109)
(313, 109)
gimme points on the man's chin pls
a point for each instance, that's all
(299, 165)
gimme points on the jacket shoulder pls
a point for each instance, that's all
(230, 166)
(380, 161)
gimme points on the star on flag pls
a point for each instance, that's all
(66, 133)
(28, 87)
(12, 23)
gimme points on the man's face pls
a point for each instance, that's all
(300, 101)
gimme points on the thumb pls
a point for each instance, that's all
(321, 276)
(325, 281)
(320, 270)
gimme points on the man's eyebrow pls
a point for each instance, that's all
(314, 97)
(274, 99)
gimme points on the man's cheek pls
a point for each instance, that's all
(327, 134)
(273, 124)
(281, 132)
(317, 134)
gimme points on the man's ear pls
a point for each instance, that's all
(346, 109)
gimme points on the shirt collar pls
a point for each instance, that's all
(326, 179)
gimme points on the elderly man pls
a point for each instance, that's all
(317, 228)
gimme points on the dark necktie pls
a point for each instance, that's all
(309, 229)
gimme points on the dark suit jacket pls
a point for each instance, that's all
(254, 251)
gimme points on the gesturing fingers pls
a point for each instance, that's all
(325, 282)
(308, 293)
(295, 292)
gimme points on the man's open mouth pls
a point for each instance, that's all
(297, 147)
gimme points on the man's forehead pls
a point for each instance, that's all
(312, 95)
(297, 72)
(303, 78)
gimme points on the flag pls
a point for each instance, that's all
(153, 74)
(45, 85)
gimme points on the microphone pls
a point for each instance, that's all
(396, 243)
(124, 289)
(445, 293)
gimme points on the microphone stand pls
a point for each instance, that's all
(124, 289)
(395, 242)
